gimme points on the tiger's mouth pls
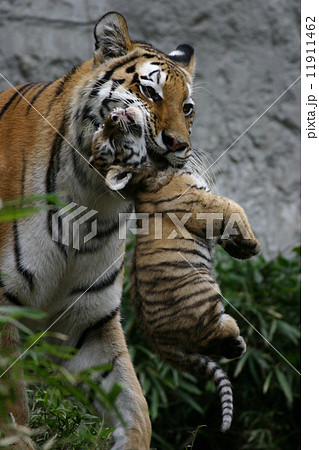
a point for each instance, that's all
(167, 151)
(161, 162)
(165, 160)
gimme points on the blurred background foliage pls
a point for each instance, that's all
(185, 411)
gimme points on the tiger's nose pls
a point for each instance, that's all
(172, 143)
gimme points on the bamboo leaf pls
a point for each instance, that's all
(240, 364)
(154, 404)
(189, 399)
(285, 386)
(267, 382)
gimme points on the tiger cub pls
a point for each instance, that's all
(176, 297)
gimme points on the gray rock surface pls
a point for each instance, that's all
(247, 56)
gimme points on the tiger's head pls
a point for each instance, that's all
(132, 73)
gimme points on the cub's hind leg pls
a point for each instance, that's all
(217, 333)
(12, 382)
(228, 340)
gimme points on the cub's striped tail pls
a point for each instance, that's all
(204, 366)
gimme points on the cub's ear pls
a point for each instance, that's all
(117, 178)
(111, 37)
(184, 55)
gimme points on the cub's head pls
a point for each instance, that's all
(127, 73)
(120, 155)
(121, 143)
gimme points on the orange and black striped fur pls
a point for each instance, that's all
(46, 132)
(176, 297)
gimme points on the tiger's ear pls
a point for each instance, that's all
(184, 55)
(111, 37)
(117, 178)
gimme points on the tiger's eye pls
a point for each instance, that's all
(188, 109)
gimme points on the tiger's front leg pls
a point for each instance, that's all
(108, 345)
(12, 382)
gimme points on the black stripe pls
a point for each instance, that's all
(11, 297)
(31, 86)
(13, 97)
(149, 55)
(52, 172)
(23, 173)
(210, 326)
(34, 98)
(60, 87)
(229, 408)
(99, 324)
(130, 69)
(17, 248)
(95, 245)
(107, 76)
(64, 80)
(156, 293)
(156, 202)
(209, 313)
(99, 286)
(196, 303)
(177, 249)
(155, 281)
(162, 321)
(176, 264)
(174, 302)
(79, 168)
(226, 391)
(106, 373)
(222, 378)
(54, 164)
(17, 253)
(117, 81)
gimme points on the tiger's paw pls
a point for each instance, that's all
(241, 248)
(233, 347)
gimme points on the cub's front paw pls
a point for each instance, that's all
(233, 347)
(240, 248)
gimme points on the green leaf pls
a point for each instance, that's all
(189, 399)
(267, 382)
(272, 330)
(285, 386)
(154, 404)
(289, 331)
(189, 387)
(241, 363)
(160, 391)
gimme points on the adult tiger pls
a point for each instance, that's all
(46, 134)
